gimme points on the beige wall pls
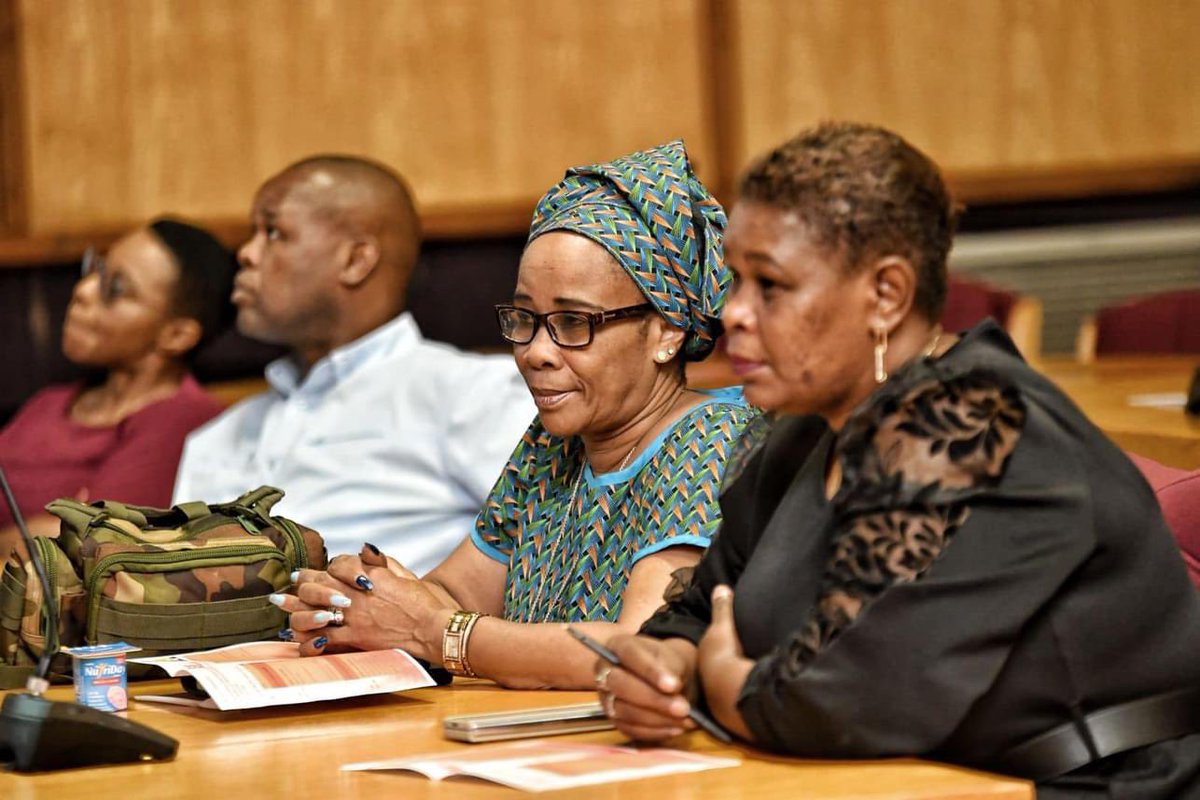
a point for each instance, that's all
(134, 107)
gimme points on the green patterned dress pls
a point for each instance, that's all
(570, 538)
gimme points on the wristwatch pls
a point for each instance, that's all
(454, 642)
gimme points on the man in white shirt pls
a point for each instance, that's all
(375, 434)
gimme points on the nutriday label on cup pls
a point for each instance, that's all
(100, 679)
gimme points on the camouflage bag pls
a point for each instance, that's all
(190, 577)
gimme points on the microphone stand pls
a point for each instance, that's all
(41, 734)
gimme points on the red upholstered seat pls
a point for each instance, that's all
(969, 301)
(1178, 493)
(1160, 323)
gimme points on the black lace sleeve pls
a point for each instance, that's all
(910, 463)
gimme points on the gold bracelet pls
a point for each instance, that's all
(454, 642)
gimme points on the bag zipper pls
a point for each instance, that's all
(46, 550)
(293, 533)
(169, 561)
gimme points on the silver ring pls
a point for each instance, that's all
(602, 677)
(608, 702)
(339, 616)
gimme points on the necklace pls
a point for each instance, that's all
(933, 343)
(539, 604)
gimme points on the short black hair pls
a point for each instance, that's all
(864, 192)
(206, 271)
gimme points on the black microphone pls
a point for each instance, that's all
(1193, 396)
(37, 734)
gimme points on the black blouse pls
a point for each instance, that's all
(991, 567)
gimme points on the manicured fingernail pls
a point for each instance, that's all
(339, 600)
(678, 707)
(675, 732)
(366, 583)
(295, 576)
(323, 617)
(722, 592)
(372, 548)
(277, 599)
(320, 642)
(286, 634)
(669, 684)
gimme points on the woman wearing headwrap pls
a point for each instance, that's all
(614, 486)
(135, 316)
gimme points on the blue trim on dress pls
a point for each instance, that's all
(620, 476)
(733, 394)
(494, 553)
(675, 541)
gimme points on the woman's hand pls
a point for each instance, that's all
(381, 607)
(647, 696)
(722, 665)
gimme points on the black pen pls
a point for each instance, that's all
(697, 716)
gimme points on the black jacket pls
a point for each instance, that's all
(991, 567)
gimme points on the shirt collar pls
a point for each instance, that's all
(396, 335)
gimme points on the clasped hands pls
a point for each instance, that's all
(382, 605)
(650, 694)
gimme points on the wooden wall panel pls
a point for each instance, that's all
(127, 108)
(12, 123)
(987, 87)
(139, 106)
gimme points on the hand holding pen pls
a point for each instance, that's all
(648, 724)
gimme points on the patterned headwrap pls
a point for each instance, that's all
(660, 223)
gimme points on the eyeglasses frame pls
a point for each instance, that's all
(95, 263)
(594, 319)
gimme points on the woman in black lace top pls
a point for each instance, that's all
(931, 551)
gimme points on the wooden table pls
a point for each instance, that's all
(294, 753)
(1103, 389)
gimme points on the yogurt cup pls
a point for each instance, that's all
(100, 679)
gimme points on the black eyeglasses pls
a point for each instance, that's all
(567, 328)
(111, 286)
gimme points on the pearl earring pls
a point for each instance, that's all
(662, 356)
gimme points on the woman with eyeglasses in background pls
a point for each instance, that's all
(614, 486)
(135, 317)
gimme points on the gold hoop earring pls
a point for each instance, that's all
(880, 351)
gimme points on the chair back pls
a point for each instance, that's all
(970, 301)
(1160, 323)
(1178, 493)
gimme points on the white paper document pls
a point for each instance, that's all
(542, 766)
(1158, 400)
(262, 674)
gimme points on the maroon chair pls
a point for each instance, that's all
(1160, 323)
(970, 300)
(1178, 493)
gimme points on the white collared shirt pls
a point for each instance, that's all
(391, 439)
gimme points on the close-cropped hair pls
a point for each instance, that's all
(389, 189)
(206, 271)
(863, 193)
